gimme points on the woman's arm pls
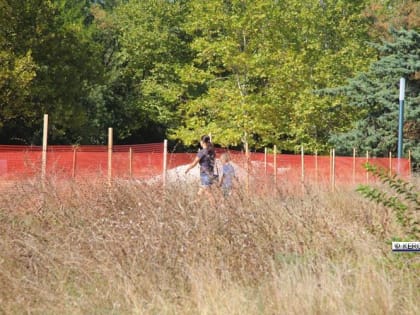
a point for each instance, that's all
(194, 163)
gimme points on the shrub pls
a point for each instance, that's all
(399, 195)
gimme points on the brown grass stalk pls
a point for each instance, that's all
(86, 248)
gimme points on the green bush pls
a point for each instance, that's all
(399, 195)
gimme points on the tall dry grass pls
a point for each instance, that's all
(87, 248)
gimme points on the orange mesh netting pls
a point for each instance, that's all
(146, 160)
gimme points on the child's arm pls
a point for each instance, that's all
(221, 179)
(235, 178)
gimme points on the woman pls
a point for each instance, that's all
(206, 158)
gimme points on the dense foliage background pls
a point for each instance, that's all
(318, 73)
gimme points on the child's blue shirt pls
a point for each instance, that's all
(228, 175)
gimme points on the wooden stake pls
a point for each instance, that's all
(409, 163)
(110, 136)
(73, 173)
(333, 170)
(302, 169)
(247, 166)
(165, 157)
(44, 148)
(330, 166)
(367, 173)
(302, 165)
(316, 166)
(275, 164)
(390, 164)
(130, 162)
(265, 161)
(354, 166)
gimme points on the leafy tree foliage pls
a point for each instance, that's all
(403, 198)
(16, 76)
(387, 14)
(244, 71)
(256, 64)
(333, 47)
(57, 62)
(144, 46)
(225, 81)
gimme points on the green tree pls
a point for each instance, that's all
(374, 95)
(335, 47)
(257, 63)
(386, 14)
(62, 60)
(16, 76)
(17, 71)
(144, 46)
(226, 83)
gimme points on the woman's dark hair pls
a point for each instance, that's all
(210, 147)
(205, 139)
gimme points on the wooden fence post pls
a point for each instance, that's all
(354, 166)
(333, 170)
(130, 162)
(367, 173)
(247, 167)
(44, 149)
(330, 166)
(110, 136)
(390, 164)
(275, 164)
(165, 161)
(409, 163)
(265, 161)
(73, 173)
(316, 166)
(302, 165)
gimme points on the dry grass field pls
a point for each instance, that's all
(87, 248)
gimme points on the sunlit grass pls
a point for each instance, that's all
(87, 248)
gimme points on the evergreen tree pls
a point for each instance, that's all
(374, 95)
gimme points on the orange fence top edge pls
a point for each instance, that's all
(159, 147)
(150, 147)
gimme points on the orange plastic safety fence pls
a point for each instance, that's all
(259, 170)
(139, 161)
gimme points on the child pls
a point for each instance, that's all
(227, 176)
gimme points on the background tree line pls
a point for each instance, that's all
(318, 73)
